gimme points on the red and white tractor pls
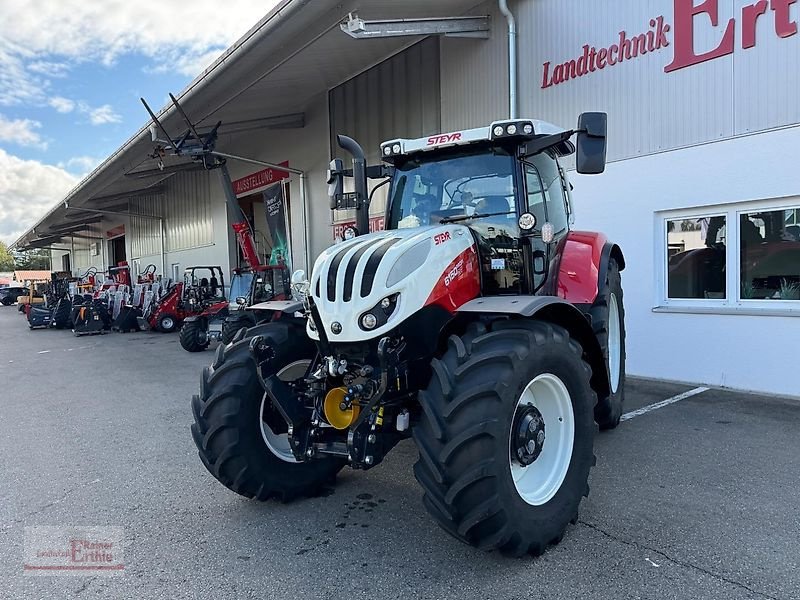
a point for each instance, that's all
(478, 324)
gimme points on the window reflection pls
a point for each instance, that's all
(769, 245)
(696, 253)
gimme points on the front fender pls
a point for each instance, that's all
(583, 265)
(553, 310)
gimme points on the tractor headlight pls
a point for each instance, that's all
(368, 321)
(387, 150)
(527, 129)
(498, 130)
(379, 314)
(511, 129)
(396, 148)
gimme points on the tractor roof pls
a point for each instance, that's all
(519, 130)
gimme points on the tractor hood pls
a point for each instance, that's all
(391, 275)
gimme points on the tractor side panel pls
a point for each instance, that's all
(580, 266)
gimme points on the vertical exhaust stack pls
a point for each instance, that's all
(512, 58)
(359, 180)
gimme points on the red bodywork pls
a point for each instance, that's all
(580, 266)
(459, 283)
(169, 305)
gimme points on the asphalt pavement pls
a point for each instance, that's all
(698, 499)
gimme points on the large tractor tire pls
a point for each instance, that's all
(194, 337)
(506, 436)
(167, 323)
(62, 315)
(240, 437)
(608, 322)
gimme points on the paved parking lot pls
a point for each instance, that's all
(698, 499)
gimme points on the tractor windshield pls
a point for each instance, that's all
(467, 187)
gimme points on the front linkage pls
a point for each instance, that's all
(362, 396)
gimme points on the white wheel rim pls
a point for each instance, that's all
(538, 482)
(278, 443)
(614, 343)
(167, 323)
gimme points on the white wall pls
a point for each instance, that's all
(735, 350)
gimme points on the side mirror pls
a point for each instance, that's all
(335, 181)
(299, 282)
(241, 301)
(591, 143)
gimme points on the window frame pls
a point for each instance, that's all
(732, 303)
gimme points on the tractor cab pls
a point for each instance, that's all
(505, 183)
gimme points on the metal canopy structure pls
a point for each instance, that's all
(266, 80)
(477, 27)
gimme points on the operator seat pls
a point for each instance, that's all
(214, 285)
(491, 205)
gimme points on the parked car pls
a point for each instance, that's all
(8, 295)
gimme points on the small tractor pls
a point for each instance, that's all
(250, 288)
(204, 307)
(477, 324)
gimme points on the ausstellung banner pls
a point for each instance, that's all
(275, 207)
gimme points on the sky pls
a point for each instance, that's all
(72, 73)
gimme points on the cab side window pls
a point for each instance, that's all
(550, 175)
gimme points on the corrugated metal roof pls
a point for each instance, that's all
(31, 275)
(295, 52)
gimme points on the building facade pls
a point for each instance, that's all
(701, 191)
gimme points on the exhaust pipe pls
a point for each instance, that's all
(359, 181)
(512, 58)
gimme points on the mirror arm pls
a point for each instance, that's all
(543, 143)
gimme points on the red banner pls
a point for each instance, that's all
(260, 179)
(375, 224)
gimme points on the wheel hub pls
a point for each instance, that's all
(529, 435)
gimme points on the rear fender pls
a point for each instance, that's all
(553, 310)
(583, 266)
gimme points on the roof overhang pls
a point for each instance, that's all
(264, 81)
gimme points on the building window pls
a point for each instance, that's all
(741, 257)
(696, 255)
(769, 244)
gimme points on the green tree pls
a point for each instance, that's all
(6, 259)
(32, 260)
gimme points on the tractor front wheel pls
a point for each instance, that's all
(241, 439)
(194, 336)
(506, 436)
(167, 323)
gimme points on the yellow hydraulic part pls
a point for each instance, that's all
(338, 418)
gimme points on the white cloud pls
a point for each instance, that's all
(103, 31)
(80, 165)
(49, 68)
(61, 104)
(103, 115)
(28, 189)
(21, 132)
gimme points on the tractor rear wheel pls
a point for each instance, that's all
(194, 337)
(506, 436)
(608, 322)
(240, 438)
(62, 315)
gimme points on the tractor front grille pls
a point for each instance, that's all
(338, 265)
